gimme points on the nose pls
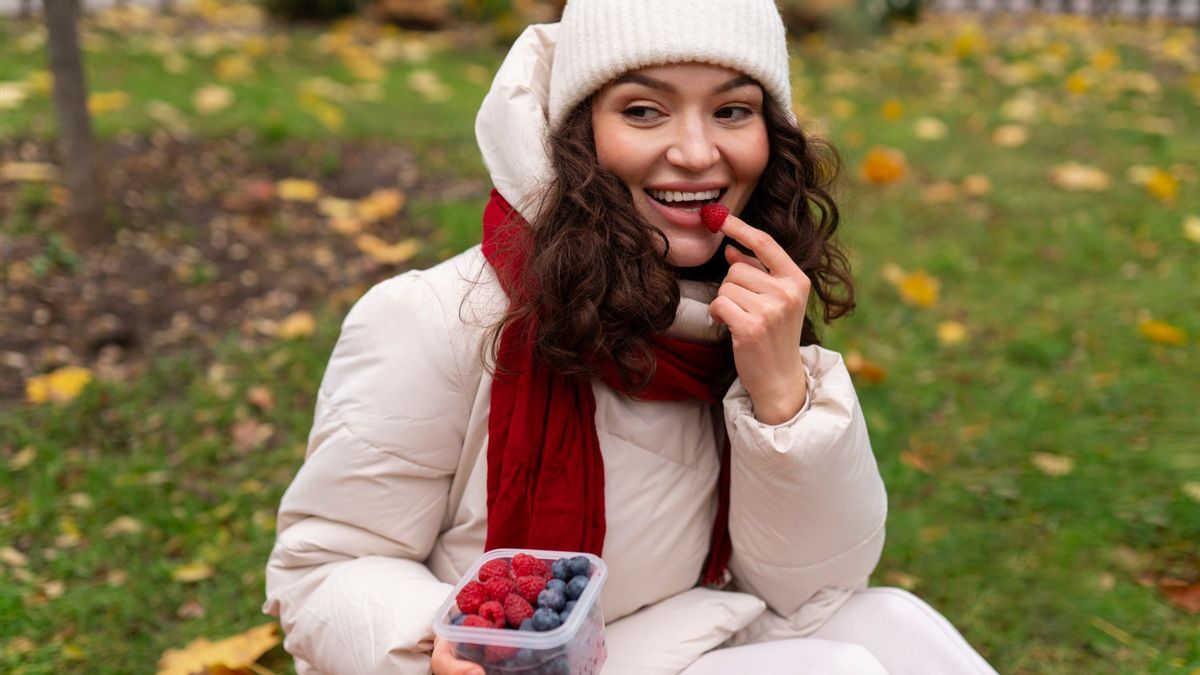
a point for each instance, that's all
(692, 147)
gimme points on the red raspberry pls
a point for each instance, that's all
(516, 610)
(529, 587)
(477, 621)
(495, 568)
(498, 588)
(713, 216)
(472, 595)
(494, 612)
(525, 565)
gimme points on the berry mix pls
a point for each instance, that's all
(525, 593)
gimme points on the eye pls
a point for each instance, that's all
(735, 113)
(641, 113)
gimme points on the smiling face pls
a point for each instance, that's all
(681, 136)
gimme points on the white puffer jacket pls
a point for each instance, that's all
(389, 507)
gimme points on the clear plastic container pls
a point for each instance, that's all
(574, 648)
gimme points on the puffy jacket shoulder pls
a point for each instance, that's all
(409, 358)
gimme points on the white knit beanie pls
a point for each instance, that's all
(602, 39)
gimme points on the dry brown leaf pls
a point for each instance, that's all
(123, 525)
(1011, 135)
(192, 572)
(249, 434)
(12, 557)
(261, 397)
(116, 578)
(902, 579)
(211, 99)
(1053, 465)
(192, 609)
(1077, 177)
(940, 193)
(862, 368)
(380, 204)
(239, 651)
(1181, 594)
(977, 185)
(915, 460)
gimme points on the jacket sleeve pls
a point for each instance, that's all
(807, 504)
(346, 576)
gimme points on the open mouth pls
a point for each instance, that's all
(686, 201)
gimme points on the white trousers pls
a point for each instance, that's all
(879, 631)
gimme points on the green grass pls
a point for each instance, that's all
(1043, 573)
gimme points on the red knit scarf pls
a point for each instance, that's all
(545, 470)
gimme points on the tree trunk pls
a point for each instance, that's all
(85, 207)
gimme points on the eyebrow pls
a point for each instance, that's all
(637, 78)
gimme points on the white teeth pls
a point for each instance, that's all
(667, 196)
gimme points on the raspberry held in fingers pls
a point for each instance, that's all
(713, 216)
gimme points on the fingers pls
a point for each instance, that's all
(444, 662)
(763, 245)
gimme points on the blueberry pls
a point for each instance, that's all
(469, 652)
(545, 619)
(458, 620)
(579, 565)
(566, 611)
(525, 657)
(560, 570)
(527, 624)
(575, 587)
(558, 585)
(558, 666)
(551, 599)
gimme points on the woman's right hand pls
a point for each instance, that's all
(445, 663)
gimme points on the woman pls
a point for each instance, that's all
(608, 374)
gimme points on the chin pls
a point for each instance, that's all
(693, 253)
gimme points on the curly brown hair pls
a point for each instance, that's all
(594, 286)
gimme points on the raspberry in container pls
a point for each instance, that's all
(528, 612)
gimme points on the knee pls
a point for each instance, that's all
(898, 606)
(854, 659)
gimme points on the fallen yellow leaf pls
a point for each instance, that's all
(13, 95)
(892, 109)
(192, 572)
(951, 333)
(211, 99)
(28, 172)
(884, 165)
(1078, 177)
(233, 68)
(1053, 465)
(919, 289)
(101, 102)
(1163, 185)
(60, 386)
(389, 254)
(1162, 332)
(380, 204)
(428, 85)
(298, 324)
(1191, 229)
(1192, 490)
(902, 579)
(12, 557)
(940, 192)
(930, 129)
(234, 653)
(297, 190)
(23, 458)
